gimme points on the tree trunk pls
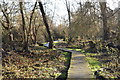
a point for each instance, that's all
(46, 24)
(119, 25)
(34, 35)
(11, 36)
(7, 27)
(104, 20)
(69, 18)
(31, 17)
(25, 42)
(118, 41)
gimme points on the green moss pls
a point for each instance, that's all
(74, 46)
(94, 64)
(92, 54)
(44, 43)
(69, 49)
(80, 50)
(54, 49)
(67, 55)
(67, 64)
(63, 75)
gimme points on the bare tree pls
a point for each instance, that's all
(7, 23)
(118, 55)
(103, 8)
(68, 11)
(67, 3)
(46, 24)
(119, 23)
(31, 17)
(35, 29)
(25, 43)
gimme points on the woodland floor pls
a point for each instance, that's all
(44, 63)
(39, 63)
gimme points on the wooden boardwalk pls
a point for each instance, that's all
(78, 67)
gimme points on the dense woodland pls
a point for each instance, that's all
(92, 28)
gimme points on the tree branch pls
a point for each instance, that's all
(4, 25)
(113, 13)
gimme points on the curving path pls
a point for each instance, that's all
(78, 67)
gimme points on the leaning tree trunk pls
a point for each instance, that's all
(104, 20)
(46, 24)
(25, 42)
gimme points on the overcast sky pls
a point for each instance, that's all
(61, 12)
(58, 8)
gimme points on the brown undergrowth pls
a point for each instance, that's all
(37, 63)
